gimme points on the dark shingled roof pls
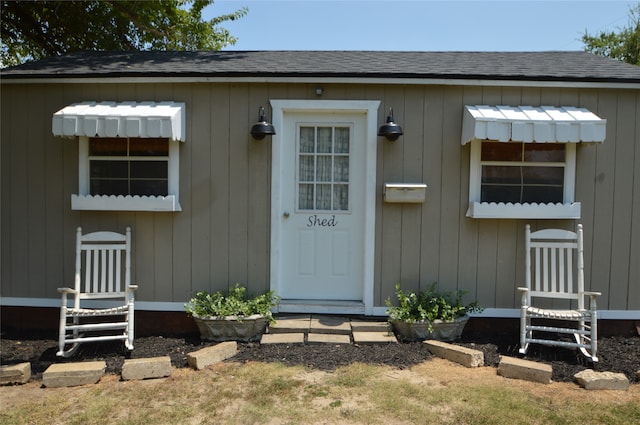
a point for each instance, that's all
(532, 66)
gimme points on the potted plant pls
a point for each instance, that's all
(232, 314)
(429, 314)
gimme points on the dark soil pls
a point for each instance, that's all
(616, 354)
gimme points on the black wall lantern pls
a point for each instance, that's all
(391, 131)
(262, 128)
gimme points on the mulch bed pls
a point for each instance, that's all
(616, 354)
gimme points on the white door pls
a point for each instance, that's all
(323, 206)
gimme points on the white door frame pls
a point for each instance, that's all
(370, 109)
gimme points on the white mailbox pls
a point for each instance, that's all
(405, 192)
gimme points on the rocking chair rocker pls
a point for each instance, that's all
(551, 256)
(106, 259)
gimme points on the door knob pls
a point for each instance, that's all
(286, 214)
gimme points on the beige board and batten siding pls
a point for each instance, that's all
(222, 235)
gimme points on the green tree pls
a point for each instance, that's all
(623, 45)
(39, 29)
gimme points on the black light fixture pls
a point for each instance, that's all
(391, 131)
(262, 128)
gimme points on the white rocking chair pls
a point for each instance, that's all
(106, 260)
(551, 257)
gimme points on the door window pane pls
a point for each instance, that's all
(307, 139)
(305, 196)
(325, 139)
(306, 168)
(342, 140)
(323, 197)
(341, 197)
(341, 169)
(324, 168)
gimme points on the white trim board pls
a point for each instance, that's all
(324, 80)
(498, 313)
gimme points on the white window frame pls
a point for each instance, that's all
(315, 155)
(85, 201)
(568, 209)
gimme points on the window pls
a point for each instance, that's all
(522, 172)
(128, 166)
(323, 168)
(522, 180)
(128, 174)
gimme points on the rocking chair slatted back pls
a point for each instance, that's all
(552, 262)
(102, 272)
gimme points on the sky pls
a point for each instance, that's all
(419, 25)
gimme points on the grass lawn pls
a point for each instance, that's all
(434, 392)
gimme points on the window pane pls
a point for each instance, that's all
(342, 140)
(307, 139)
(323, 200)
(109, 187)
(149, 187)
(542, 194)
(324, 139)
(307, 169)
(498, 151)
(108, 169)
(324, 169)
(305, 196)
(544, 152)
(107, 146)
(340, 197)
(501, 174)
(341, 169)
(543, 176)
(148, 147)
(498, 193)
(149, 169)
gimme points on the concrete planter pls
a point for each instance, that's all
(231, 328)
(442, 331)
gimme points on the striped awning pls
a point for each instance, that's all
(123, 119)
(529, 124)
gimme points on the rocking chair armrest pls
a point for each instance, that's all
(523, 295)
(592, 299)
(67, 291)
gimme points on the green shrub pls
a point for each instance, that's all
(232, 302)
(429, 305)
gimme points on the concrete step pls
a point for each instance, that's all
(330, 325)
(379, 337)
(313, 328)
(291, 324)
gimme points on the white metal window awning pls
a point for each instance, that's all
(529, 124)
(122, 119)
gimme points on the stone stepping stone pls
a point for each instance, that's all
(73, 374)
